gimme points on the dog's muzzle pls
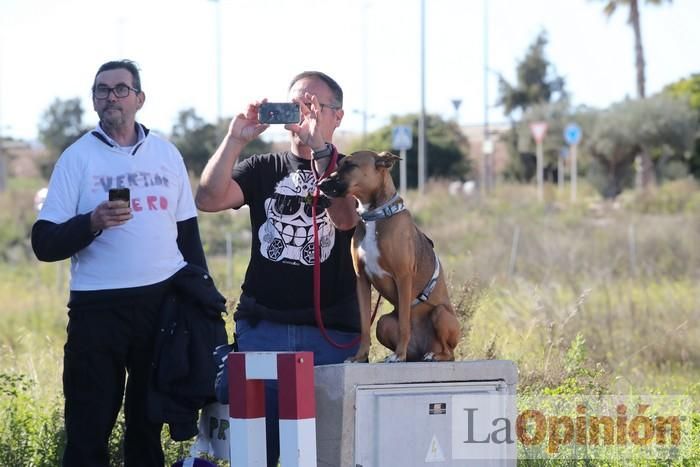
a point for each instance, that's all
(333, 187)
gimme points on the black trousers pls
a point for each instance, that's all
(110, 334)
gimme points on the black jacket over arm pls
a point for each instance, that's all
(184, 370)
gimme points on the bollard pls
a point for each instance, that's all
(294, 372)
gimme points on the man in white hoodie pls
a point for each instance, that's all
(122, 255)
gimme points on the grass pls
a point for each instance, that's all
(591, 298)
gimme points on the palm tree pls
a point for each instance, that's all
(633, 20)
(647, 165)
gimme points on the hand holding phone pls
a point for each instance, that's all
(279, 113)
(105, 216)
(122, 194)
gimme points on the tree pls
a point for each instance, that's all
(688, 89)
(634, 21)
(197, 140)
(537, 81)
(60, 126)
(447, 148)
(537, 86)
(648, 175)
(660, 126)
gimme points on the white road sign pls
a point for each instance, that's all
(401, 137)
(538, 129)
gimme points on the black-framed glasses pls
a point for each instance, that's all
(334, 107)
(120, 91)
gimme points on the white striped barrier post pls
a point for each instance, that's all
(294, 372)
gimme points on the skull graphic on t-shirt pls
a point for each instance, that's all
(287, 234)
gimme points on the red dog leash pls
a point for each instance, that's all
(317, 259)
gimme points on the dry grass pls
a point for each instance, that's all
(615, 285)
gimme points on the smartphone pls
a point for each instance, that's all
(278, 112)
(120, 194)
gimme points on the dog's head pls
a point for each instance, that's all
(361, 172)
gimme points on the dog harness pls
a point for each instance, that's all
(427, 290)
(387, 209)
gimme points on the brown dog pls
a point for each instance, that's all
(392, 254)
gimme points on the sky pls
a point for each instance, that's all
(50, 49)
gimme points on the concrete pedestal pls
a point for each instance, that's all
(413, 414)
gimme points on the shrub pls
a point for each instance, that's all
(31, 431)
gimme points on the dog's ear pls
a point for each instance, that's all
(386, 159)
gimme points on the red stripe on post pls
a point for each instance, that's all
(246, 397)
(295, 375)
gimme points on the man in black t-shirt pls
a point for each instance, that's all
(276, 308)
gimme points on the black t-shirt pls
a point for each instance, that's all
(277, 189)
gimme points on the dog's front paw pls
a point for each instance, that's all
(355, 360)
(393, 358)
(358, 358)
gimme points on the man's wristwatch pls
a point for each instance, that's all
(323, 153)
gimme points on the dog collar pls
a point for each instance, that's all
(387, 209)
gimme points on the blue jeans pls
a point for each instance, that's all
(275, 337)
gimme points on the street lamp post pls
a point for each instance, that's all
(3, 173)
(365, 73)
(422, 165)
(365, 118)
(3, 160)
(217, 13)
(486, 153)
(3, 164)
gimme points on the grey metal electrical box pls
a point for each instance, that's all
(416, 414)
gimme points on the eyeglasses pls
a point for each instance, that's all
(333, 107)
(120, 91)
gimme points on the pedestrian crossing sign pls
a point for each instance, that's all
(401, 138)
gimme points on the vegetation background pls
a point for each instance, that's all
(596, 296)
(592, 298)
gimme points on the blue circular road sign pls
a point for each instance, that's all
(572, 134)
